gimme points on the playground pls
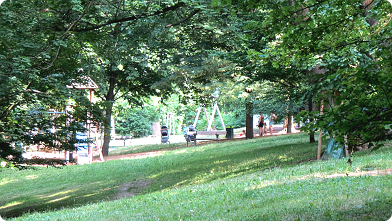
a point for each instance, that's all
(164, 134)
(118, 145)
(177, 140)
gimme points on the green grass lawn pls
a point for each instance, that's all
(269, 178)
(118, 150)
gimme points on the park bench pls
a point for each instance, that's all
(118, 137)
(194, 138)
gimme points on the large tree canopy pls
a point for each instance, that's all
(341, 49)
(124, 46)
(330, 52)
(35, 66)
(129, 45)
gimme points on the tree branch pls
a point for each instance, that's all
(390, 17)
(132, 18)
(78, 19)
(54, 59)
(185, 19)
(5, 114)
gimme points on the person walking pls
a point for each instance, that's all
(271, 122)
(265, 128)
(261, 125)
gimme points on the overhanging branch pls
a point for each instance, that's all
(185, 19)
(132, 18)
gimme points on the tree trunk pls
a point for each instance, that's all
(289, 124)
(107, 129)
(320, 134)
(367, 5)
(249, 120)
(109, 110)
(311, 135)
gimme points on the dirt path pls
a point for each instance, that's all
(129, 156)
(155, 152)
(277, 132)
(134, 188)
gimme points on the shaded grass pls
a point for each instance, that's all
(252, 179)
(142, 148)
(50, 188)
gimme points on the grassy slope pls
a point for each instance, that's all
(253, 179)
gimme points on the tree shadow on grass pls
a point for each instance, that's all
(67, 197)
(196, 170)
(195, 165)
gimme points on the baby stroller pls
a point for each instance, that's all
(164, 134)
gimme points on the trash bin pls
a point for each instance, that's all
(164, 134)
(229, 132)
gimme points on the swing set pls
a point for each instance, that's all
(191, 135)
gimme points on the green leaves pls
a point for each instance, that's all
(134, 49)
(329, 46)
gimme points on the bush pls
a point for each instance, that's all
(136, 122)
(10, 153)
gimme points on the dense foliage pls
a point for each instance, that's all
(331, 53)
(136, 122)
(258, 56)
(37, 62)
(121, 45)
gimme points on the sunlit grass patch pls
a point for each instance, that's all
(141, 148)
(263, 179)
(14, 203)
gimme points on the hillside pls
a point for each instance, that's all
(270, 178)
